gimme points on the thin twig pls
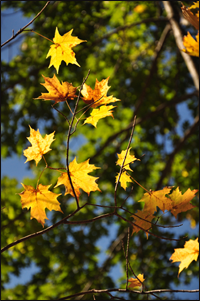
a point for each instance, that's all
(120, 207)
(127, 248)
(121, 290)
(151, 233)
(61, 113)
(131, 136)
(68, 138)
(88, 107)
(22, 29)
(42, 231)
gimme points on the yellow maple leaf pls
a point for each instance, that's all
(99, 92)
(39, 199)
(195, 5)
(186, 255)
(80, 178)
(97, 114)
(134, 282)
(141, 219)
(125, 177)
(62, 49)
(191, 45)
(40, 146)
(129, 159)
(157, 198)
(57, 92)
(181, 203)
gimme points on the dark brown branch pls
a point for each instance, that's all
(179, 42)
(22, 29)
(151, 233)
(42, 231)
(87, 221)
(121, 290)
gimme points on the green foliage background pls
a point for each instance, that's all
(68, 256)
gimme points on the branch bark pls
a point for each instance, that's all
(179, 42)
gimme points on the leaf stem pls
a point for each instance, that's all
(39, 35)
(140, 185)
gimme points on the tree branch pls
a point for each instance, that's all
(22, 29)
(179, 42)
(121, 290)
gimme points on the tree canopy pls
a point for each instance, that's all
(132, 43)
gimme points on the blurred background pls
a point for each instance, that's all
(133, 44)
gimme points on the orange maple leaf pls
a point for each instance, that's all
(125, 177)
(181, 203)
(99, 92)
(134, 282)
(40, 146)
(39, 199)
(62, 49)
(57, 92)
(153, 199)
(186, 255)
(97, 114)
(141, 219)
(129, 159)
(80, 178)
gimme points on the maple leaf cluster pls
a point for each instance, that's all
(40, 198)
(77, 176)
(191, 45)
(59, 92)
(174, 202)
